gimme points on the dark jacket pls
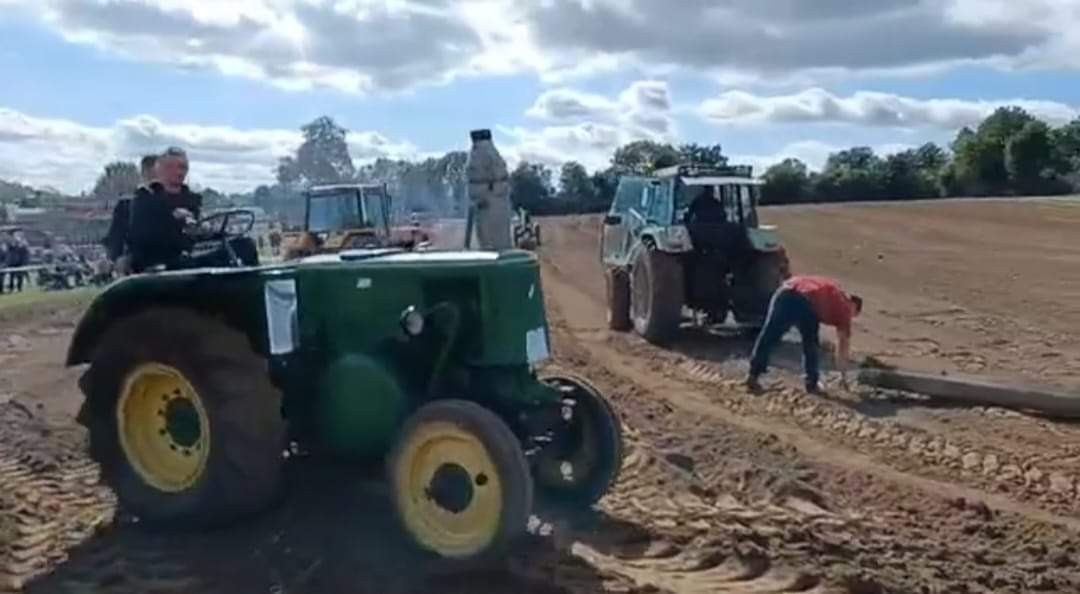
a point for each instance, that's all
(116, 240)
(706, 210)
(156, 236)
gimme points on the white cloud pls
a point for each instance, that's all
(780, 39)
(349, 45)
(365, 45)
(591, 144)
(866, 108)
(68, 155)
(587, 127)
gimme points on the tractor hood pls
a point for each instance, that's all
(353, 300)
(350, 299)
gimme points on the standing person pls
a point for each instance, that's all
(148, 169)
(19, 256)
(806, 302)
(3, 261)
(489, 192)
(116, 240)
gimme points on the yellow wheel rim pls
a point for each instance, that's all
(163, 426)
(449, 490)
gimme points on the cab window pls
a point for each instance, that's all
(659, 209)
(729, 195)
(627, 196)
(748, 199)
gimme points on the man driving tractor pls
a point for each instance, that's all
(163, 211)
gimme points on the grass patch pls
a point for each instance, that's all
(34, 302)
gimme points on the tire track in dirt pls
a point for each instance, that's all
(848, 532)
(1031, 460)
(50, 500)
(941, 532)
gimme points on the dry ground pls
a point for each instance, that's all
(722, 492)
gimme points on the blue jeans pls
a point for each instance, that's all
(788, 308)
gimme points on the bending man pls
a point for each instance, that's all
(806, 302)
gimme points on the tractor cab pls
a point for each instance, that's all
(341, 217)
(701, 225)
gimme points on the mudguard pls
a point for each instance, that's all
(218, 291)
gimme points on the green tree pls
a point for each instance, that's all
(705, 155)
(118, 179)
(930, 158)
(1066, 141)
(853, 174)
(786, 182)
(530, 187)
(643, 156)
(322, 158)
(288, 171)
(575, 187)
(980, 155)
(912, 173)
(1030, 159)
(604, 185)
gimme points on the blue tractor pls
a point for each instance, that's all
(685, 243)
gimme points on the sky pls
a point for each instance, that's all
(90, 81)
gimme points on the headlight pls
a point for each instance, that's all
(412, 321)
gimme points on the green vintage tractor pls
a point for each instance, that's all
(687, 240)
(200, 381)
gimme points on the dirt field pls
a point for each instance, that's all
(856, 493)
(988, 287)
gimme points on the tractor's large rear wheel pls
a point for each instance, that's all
(656, 288)
(767, 274)
(183, 420)
(585, 456)
(460, 482)
(618, 300)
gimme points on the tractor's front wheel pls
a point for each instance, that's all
(183, 420)
(585, 455)
(618, 300)
(460, 482)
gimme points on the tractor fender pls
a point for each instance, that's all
(654, 239)
(223, 293)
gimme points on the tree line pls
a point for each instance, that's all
(1009, 153)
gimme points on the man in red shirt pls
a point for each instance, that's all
(806, 302)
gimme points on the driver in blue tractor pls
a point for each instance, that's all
(163, 211)
(719, 243)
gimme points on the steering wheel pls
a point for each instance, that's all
(223, 226)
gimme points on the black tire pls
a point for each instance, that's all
(770, 271)
(618, 300)
(500, 450)
(656, 289)
(242, 471)
(767, 273)
(593, 448)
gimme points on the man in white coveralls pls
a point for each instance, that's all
(489, 192)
